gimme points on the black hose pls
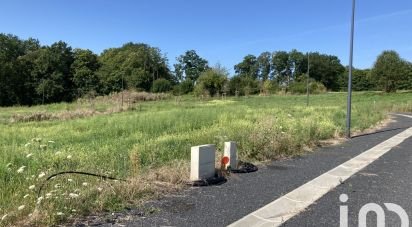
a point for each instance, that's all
(103, 177)
(244, 167)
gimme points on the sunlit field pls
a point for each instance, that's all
(148, 136)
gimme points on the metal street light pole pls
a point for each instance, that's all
(348, 112)
(307, 84)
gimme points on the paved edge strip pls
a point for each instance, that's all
(291, 204)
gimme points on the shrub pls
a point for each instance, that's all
(243, 85)
(184, 87)
(269, 87)
(212, 81)
(300, 87)
(161, 85)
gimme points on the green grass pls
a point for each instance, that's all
(159, 133)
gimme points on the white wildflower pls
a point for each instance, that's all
(39, 200)
(70, 180)
(57, 186)
(48, 195)
(25, 196)
(69, 156)
(85, 184)
(43, 146)
(27, 144)
(59, 213)
(21, 207)
(50, 141)
(73, 195)
(100, 189)
(74, 210)
(21, 169)
(29, 155)
(42, 174)
(57, 153)
(289, 115)
(4, 217)
(32, 187)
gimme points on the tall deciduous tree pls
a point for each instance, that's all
(51, 74)
(361, 80)
(249, 67)
(265, 65)
(84, 69)
(189, 66)
(389, 70)
(12, 73)
(326, 69)
(281, 67)
(298, 62)
(133, 66)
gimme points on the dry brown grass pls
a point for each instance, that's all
(64, 115)
(113, 101)
(129, 97)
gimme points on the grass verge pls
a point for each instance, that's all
(150, 146)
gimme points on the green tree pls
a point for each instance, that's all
(132, 66)
(265, 66)
(389, 70)
(84, 69)
(249, 67)
(242, 85)
(298, 62)
(13, 74)
(212, 80)
(189, 66)
(281, 67)
(361, 80)
(326, 69)
(51, 73)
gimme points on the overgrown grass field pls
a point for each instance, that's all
(151, 144)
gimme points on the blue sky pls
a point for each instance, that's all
(221, 31)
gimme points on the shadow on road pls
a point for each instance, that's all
(386, 130)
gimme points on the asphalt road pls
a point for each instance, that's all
(389, 179)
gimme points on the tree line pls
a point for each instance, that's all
(32, 74)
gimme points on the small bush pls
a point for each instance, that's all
(269, 87)
(300, 87)
(243, 86)
(112, 101)
(161, 85)
(184, 87)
